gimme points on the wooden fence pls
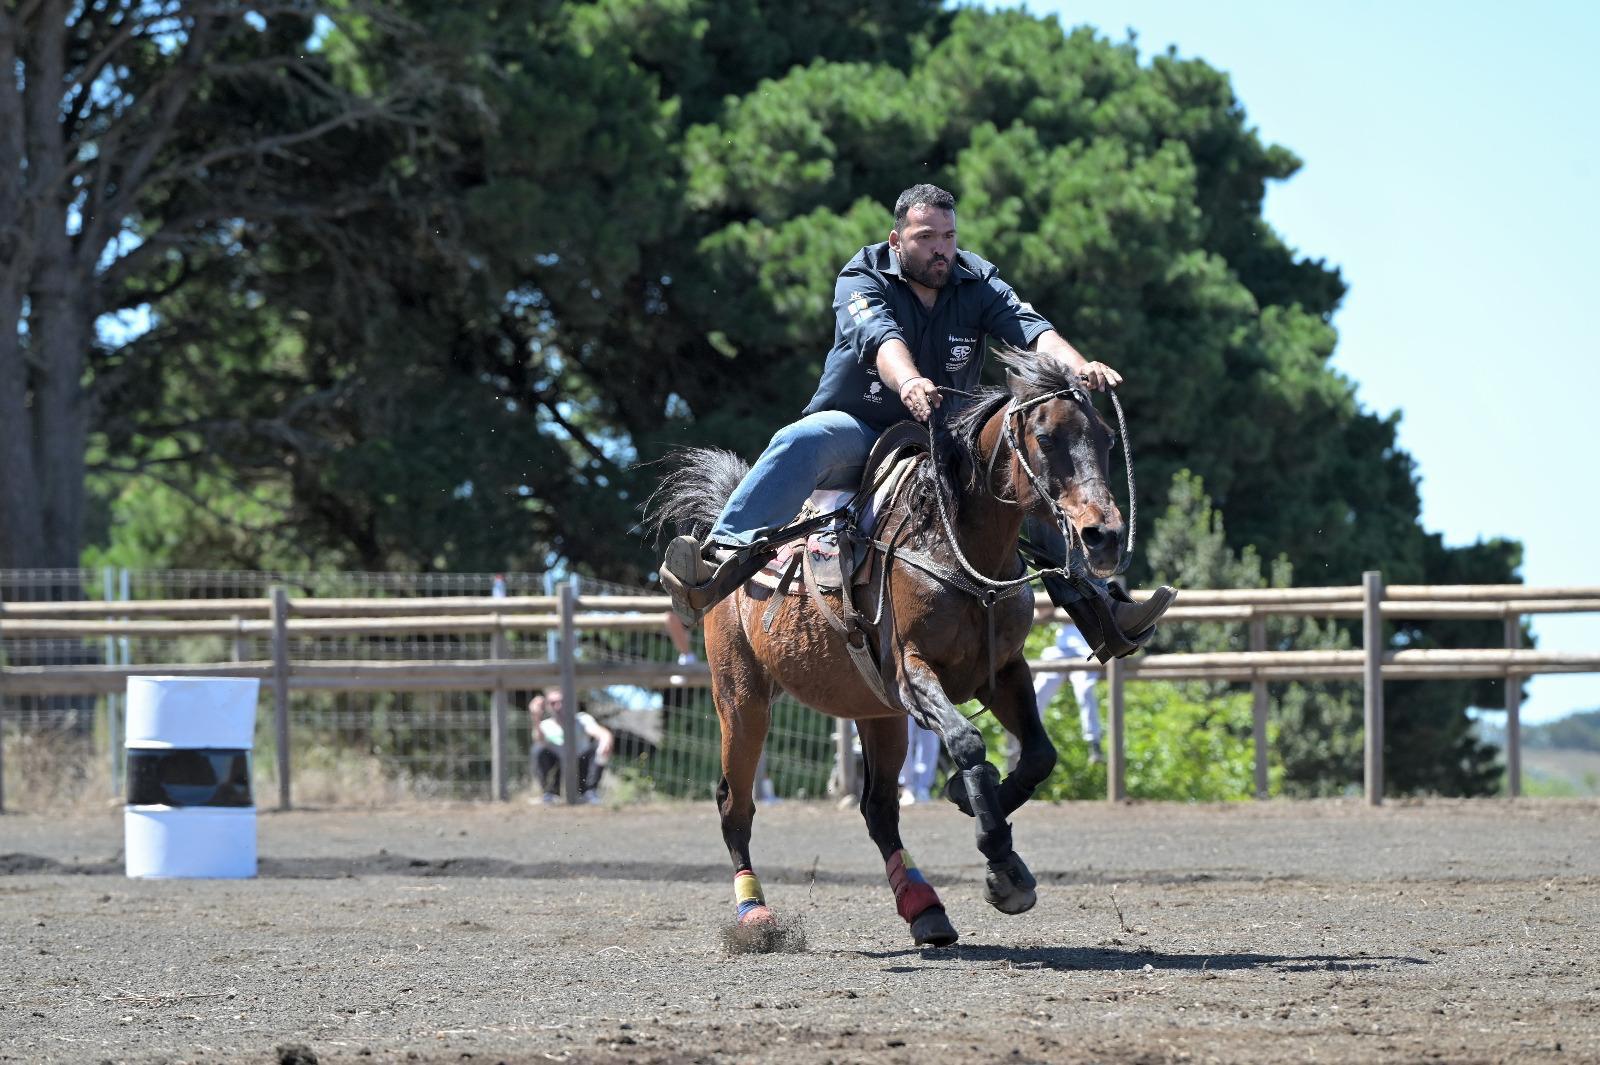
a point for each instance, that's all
(568, 613)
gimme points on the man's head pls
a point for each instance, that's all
(924, 234)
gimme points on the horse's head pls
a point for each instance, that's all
(1061, 456)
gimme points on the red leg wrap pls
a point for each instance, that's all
(912, 893)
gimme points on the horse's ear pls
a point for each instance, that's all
(1013, 382)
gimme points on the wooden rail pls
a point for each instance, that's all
(280, 618)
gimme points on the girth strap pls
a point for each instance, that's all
(850, 629)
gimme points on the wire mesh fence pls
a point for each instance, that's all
(372, 747)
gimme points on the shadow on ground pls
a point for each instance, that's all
(1105, 959)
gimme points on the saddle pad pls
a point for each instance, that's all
(825, 544)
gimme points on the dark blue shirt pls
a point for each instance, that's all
(873, 303)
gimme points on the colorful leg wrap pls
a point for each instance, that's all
(747, 896)
(912, 893)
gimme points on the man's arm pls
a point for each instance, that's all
(898, 370)
(1016, 323)
(1052, 344)
(603, 738)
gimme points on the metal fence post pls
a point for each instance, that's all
(1116, 753)
(569, 694)
(1513, 711)
(1259, 707)
(1372, 680)
(497, 716)
(109, 645)
(280, 688)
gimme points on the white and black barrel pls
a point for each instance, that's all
(190, 811)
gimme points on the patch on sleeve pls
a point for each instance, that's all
(860, 307)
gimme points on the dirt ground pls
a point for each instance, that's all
(1326, 932)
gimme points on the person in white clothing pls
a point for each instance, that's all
(1070, 645)
(549, 737)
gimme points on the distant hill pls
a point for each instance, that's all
(1578, 732)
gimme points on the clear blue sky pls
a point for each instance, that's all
(1452, 172)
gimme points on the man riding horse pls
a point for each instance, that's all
(911, 318)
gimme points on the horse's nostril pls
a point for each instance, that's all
(1094, 536)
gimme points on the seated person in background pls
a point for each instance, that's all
(594, 753)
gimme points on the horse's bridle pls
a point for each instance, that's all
(1041, 485)
(1074, 564)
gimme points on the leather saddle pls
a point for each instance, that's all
(842, 550)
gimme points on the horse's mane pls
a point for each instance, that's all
(1030, 377)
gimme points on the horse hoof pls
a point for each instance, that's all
(955, 790)
(933, 929)
(1010, 886)
(758, 915)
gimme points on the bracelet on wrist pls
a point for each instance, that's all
(907, 384)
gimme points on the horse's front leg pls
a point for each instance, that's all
(1013, 704)
(883, 745)
(1010, 886)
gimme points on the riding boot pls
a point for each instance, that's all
(1111, 622)
(698, 578)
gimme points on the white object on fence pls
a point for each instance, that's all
(190, 811)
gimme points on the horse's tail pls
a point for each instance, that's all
(692, 494)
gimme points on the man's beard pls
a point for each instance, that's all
(923, 274)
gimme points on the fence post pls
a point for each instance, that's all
(2, 744)
(497, 716)
(1372, 681)
(569, 694)
(280, 689)
(114, 753)
(1116, 753)
(1259, 706)
(1513, 711)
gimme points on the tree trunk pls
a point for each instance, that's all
(43, 429)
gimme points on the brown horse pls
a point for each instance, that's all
(951, 628)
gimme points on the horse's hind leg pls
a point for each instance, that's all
(1009, 884)
(883, 748)
(743, 699)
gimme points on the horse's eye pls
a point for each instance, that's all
(1045, 441)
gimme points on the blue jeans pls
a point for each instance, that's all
(827, 449)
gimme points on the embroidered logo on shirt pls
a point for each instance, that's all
(860, 307)
(874, 393)
(961, 349)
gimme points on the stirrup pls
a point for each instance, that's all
(691, 602)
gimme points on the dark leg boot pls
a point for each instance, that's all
(1111, 622)
(697, 583)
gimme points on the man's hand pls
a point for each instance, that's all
(920, 396)
(1099, 376)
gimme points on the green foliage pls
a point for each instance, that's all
(1181, 745)
(1183, 742)
(1183, 748)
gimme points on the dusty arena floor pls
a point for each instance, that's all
(1289, 932)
